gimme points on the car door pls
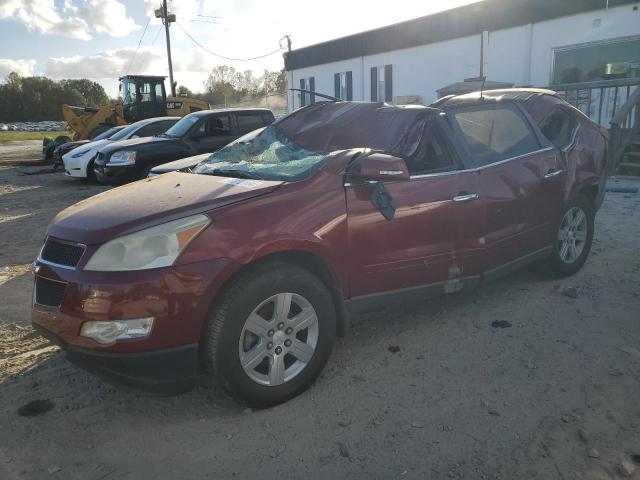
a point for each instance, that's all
(561, 128)
(212, 133)
(519, 178)
(431, 245)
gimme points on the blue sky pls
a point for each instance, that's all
(97, 39)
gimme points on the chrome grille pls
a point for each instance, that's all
(65, 254)
(48, 292)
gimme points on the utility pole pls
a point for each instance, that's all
(288, 39)
(167, 18)
(481, 54)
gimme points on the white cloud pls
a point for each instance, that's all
(71, 20)
(43, 16)
(24, 68)
(118, 62)
(110, 63)
(191, 67)
(108, 16)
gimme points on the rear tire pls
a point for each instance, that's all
(574, 238)
(261, 350)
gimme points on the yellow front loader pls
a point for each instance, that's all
(140, 97)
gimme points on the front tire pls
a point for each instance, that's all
(91, 176)
(270, 334)
(574, 238)
(144, 173)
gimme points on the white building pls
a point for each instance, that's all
(588, 49)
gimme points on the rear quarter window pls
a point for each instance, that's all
(250, 121)
(559, 127)
(495, 133)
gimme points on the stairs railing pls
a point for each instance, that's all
(625, 127)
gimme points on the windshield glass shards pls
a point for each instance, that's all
(267, 155)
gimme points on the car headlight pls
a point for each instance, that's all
(109, 332)
(153, 247)
(80, 153)
(123, 157)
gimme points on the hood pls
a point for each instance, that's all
(180, 164)
(84, 149)
(65, 147)
(135, 142)
(151, 202)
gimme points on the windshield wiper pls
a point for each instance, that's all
(230, 172)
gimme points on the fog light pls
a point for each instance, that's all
(110, 332)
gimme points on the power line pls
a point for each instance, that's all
(222, 56)
(139, 42)
(156, 37)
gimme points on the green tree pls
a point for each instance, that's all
(40, 98)
(225, 85)
(183, 91)
(91, 93)
(273, 82)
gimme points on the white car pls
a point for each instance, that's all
(78, 163)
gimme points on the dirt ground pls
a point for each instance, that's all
(426, 392)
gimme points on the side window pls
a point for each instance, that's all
(248, 122)
(267, 119)
(160, 98)
(433, 156)
(558, 127)
(164, 126)
(149, 130)
(215, 126)
(495, 133)
(145, 92)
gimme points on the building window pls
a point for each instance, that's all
(307, 98)
(343, 85)
(597, 61)
(382, 83)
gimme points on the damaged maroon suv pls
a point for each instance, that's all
(251, 263)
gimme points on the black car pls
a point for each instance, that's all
(196, 133)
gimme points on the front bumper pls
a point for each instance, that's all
(178, 298)
(76, 167)
(164, 371)
(114, 174)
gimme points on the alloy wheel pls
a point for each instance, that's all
(278, 339)
(572, 236)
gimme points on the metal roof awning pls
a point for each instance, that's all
(472, 19)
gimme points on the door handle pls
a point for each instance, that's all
(468, 197)
(553, 173)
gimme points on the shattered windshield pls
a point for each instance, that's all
(265, 154)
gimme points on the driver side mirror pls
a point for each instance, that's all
(382, 167)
